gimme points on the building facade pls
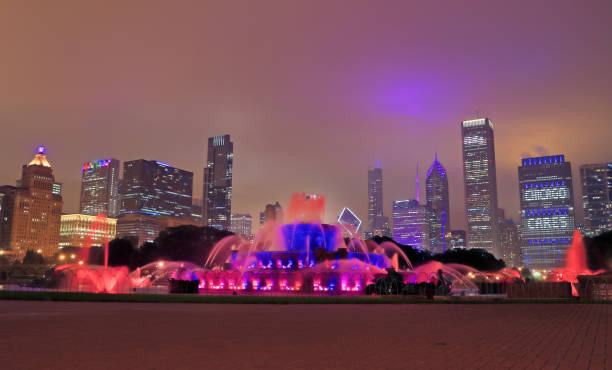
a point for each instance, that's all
(378, 224)
(143, 228)
(509, 240)
(480, 183)
(79, 230)
(456, 239)
(349, 222)
(597, 197)
(218, 175)
(31, 212)
(547, 210)
(241, 224)
(156, 188)
(100, 188)
(272, 212)
(411, 224)
(437, 198)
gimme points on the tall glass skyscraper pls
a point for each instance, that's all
(411, 223)
(218, 182)
(480, 184)
(597, 197)
(156, 188)
(439, 206)
(378, 224)
(547, 210)
(100, 188)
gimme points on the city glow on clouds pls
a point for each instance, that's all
(311, 93)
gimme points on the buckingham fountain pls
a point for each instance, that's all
(307, 256)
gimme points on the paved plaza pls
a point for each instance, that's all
(87, 335)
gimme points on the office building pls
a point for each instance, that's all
(509, 240)
(272, 212)
(439, 206)
(411, 224)
(456, 239)
(597, 197)
(143, 228)
(218, 182)
(79, 230)
(378, 223)
(349, 222)
(547, 210)
(100, 188)
(156, 188)
(241, 224)
(480, 184)
(31, 211)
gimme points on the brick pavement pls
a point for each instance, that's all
(85, 335)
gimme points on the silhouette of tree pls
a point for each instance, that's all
(599, 251)
(479, 259)
(476, 258)
(33, 258)
(121, 252)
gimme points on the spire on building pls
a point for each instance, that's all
(40, 159)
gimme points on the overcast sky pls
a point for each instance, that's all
(313, 93)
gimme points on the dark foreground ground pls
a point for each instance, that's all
(111, 335)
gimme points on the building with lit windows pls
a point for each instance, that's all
(156, 188)
(378, 224)
(411, 224)
(57, 188)
(218, 176)
(143, 228)
(349, 222)
(439, 206)
(597, 197)
(100, 188)
(31, 211)
(272, 212)
(509, 240)
(547, 210)
(79, 230)
(456, 239)
(241, 224)
(480, 183)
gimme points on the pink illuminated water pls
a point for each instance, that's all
(92, 278)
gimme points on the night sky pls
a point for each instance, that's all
(313, 93)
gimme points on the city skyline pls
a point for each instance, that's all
(289, 115)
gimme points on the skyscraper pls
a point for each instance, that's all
(597, 197)
(411, 223)
(31, 211)
(378, 224)
(100, 188)
(218, 182)
(547, 210)
(480, 184)
(439, 206)
(156, 188)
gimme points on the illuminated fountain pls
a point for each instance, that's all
(307, 256)
(80, 277)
